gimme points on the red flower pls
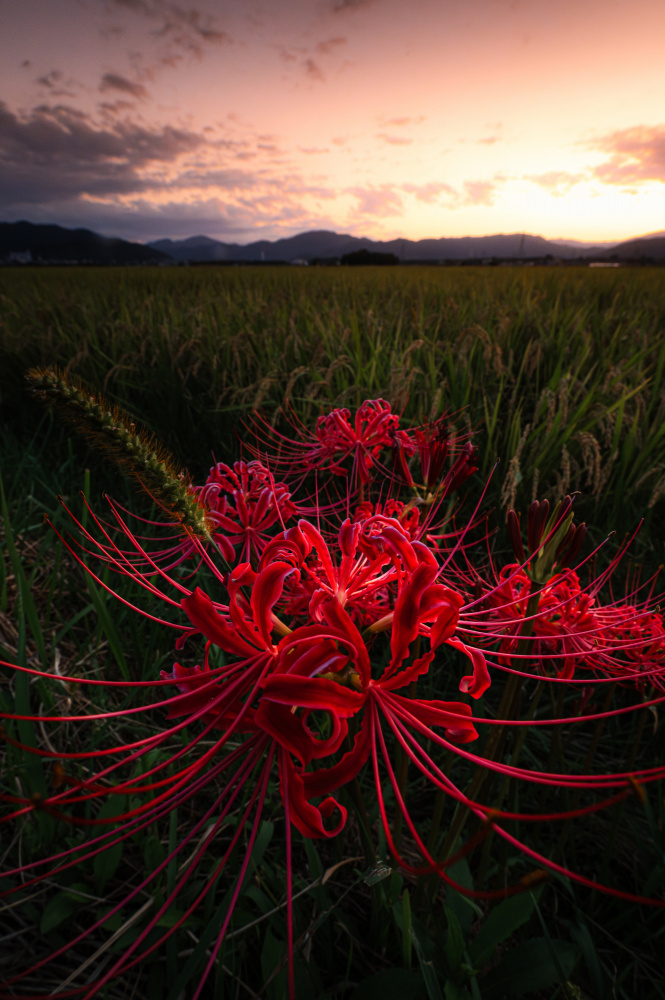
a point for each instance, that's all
(246, 506)
(312, 668)
(341, 444)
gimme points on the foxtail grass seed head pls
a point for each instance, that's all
(138, 454)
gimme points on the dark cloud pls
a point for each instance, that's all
(57, 152)
(287, 56)
(233, 216)
(178, 30)
(307, 64)
(117, 176)
(180, 23)
(51, 79)
(313, 70)
(343, 6)
(330, 44)
(137, 5)
(115, 108)
(636, 155)
(56, 85)
(112, 81)
(307, 57)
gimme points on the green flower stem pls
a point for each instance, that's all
(355, 798)
(403, 769)
(507, 781)
(591, 753)
(508, 707)
(618, 813)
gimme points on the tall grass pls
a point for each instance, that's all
(560, 371)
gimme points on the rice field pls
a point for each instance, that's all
(559, 371)
(558, 375)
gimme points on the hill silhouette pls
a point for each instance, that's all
(48, 243)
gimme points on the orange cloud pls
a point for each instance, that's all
(556, 181)
(636, 155)
(394, 140)
(379, 202)
(400, 122)
(429, 193)
(480, 192)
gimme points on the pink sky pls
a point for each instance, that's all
(253, 119)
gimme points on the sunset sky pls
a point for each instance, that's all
(258, 119)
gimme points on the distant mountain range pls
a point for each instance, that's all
(22, 242)
(324, 245)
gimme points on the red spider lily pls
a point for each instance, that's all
(352, 447)
(571, 629)
(325, 666)
(545, 616)
(221, 698)
(237, 701)
(244, 506)
(433, 443)
(311, 669)
(341, 445)
(372, 430)
(408, 514)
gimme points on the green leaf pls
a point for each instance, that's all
(105, 863)
(189, 968)
(153, 853)
(466, 910)
(454, 943)
(582, 938)
(273, 956)
(260, 847)
(454, 992)
(391, 984)
(57, 910)
(107, 625)
(500, 924)
(530, 967)
(170, 917)
(406, 928)
(427, 968)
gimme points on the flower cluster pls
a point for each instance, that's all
(324, 638)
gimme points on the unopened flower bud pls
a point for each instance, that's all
(536, 518)
(465, 466)
(515, 535)
(575, 543)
